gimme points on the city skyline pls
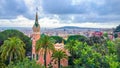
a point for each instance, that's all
(58, 13)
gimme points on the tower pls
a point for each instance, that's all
(35, 36)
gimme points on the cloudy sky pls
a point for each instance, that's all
(57, 13)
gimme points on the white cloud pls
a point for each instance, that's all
(30, 4)
(20, 21)
(51, 23)
(33, 4)
(46, 22)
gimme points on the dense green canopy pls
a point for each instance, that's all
(77, 37)
(58, 39)
(117, 29)
(12, 49)
(4, 35)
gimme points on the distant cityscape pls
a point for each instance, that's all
(63, 31)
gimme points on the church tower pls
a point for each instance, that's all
(35, 36)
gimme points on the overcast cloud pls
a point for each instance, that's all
(63, 12)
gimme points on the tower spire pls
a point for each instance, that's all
(35, 35)
(36, 17)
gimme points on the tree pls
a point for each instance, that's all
(26, 63)
(4, 35)
(77, 37)
(59, 55)
(58, 39)
(2, 38)
(71, 48)
(2, 65)
(116, 30)
(111, 47)
(117, 48)
(45, 45)
(13, 48)
(96, 40)
(87, 57)
(112, 60)
(105, 34)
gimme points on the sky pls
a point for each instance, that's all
(58, 13)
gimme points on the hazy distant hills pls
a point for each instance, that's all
(59, 28)
(75, 27)
(82, 28)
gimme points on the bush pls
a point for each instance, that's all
(26, 63)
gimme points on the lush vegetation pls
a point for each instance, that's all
(77, 37)
(14, 46)
(26, 63)
(45, 45)
(116, 30)
(58, 39)
(92, 52)
(4, 35)
(96, 56)
(12, 49)
(59, 55)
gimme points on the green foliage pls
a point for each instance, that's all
(103, 55)
(117, 43)
(86, 56)
(45, 42)
(112, 60)
(2, 38)
(36, 23)
(15, 33)
(115, 35)
(71, 48)
(111, 47)
(105, 34)
(58, 39)
(117, 29)
(26, 63)
(13, 48)
(58, 55)
(96, 40)
(77, 37)
(45, 45)
(2, 65)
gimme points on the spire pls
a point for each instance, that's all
(36, 18)
(36, 26)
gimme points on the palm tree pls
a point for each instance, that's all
(13, 48)
(58, 55)
(45, 45)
